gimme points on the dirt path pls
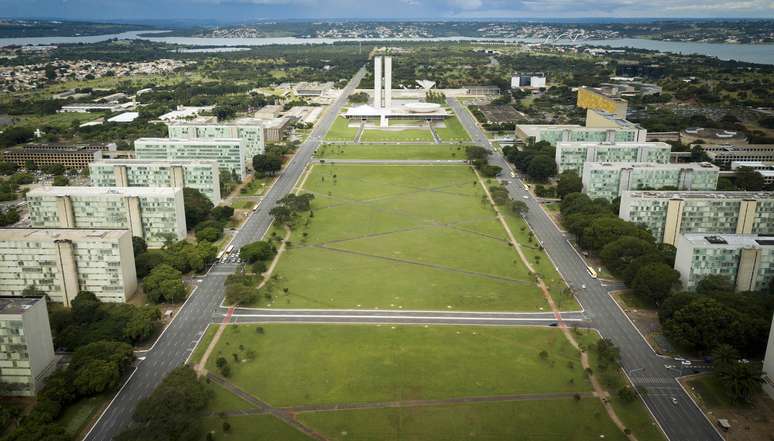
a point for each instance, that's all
(599, 390)
(285, 415)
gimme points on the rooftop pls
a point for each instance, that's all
(612, 144)
(720, 148)
(208, 122)
(642, 165)
(17, 305)
(169, 162)
(720, 195)
(105, 191)
(729, 240)
(198, 141)
(702, 132)
(49, 234)
(615, 119)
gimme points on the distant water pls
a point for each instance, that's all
(753, 53)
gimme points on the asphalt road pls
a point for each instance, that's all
(682, 421)
(179, 338)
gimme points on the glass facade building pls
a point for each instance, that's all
(26, 347)
(608, 180)
(572, 155)
(248, 130)
(230, 153)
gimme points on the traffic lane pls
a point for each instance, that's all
(397, 320)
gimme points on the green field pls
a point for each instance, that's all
(397, 135)
(252, 428)
(402, 237)
(330, 365)
(387, 151)
(453, 131)
(305, 364)
(561, 419)
(340, 131)
(77, 415)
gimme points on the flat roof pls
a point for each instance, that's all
(753, 163)
(722, 148)
(196, 141)
(703, 132)
(530, 129)
(729, 240)
(612, 144)
(620, 122)
(718, 195)
(18, 305)
(233, 123)
(642, 165)
(104, 191)
(125, 117)
(170, 162)
(50, 234)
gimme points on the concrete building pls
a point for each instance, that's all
(152, 213)
(64, 262)
(70, 156)
(608, 180)
(201, 175)
(26, 346)
(591, 98)
(768, 364)
(668, 214)
(576, 133)
(532, 80)
(692, 135)
(92, 107)
(250, 130)
(572, 155)
(185, 112)
(747, 260)
(230, 153)
(606, 120)
(724, 155)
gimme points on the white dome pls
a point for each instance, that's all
(422, 107)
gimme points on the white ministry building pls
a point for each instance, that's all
(247, 129)
(152, 213)
(668, 214)
(26, 347)
(201, 175)
(64, 262)
(746, 260)
(572, 155)
(768, 364)
(609, 179)
(230, 153)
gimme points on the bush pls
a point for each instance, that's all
(164, 284)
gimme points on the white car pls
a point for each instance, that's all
(525, 197)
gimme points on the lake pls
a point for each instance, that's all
(753, 53)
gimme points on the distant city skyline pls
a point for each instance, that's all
(245, 10)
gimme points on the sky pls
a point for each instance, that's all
(244, 10)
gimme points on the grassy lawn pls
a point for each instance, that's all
(252, 428)
(402, 237)
(223, 400)
(202, 346)
(634, 414)
(340, 131)
(540, 261)
(561, 419)
(453, 131)
(397, 151)
(242, 204)
(398, 135)
(76, 416)
(257, 186)
(307, 363)
(59, 120)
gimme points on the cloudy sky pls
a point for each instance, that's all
(258, 9)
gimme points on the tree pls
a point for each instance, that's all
(53, 169)
(607, 353)
(541, 167)
(281, 214)
(210, 234)
(265, 164)
(32, 291)
(164, 284)
(617, 255)
(569, 182)
(475, 152)
(749, 180)
(60, 181)
(171, 412)
(655, 281)
(519, 207)
(741, 381)
(714, 284)
(7, 168)
(197, 206)
(260, 250)
(138, 245)
(698, 154)
(723, 356)
(222, 213)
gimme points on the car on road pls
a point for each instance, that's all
(674, 401)
(525, 197)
